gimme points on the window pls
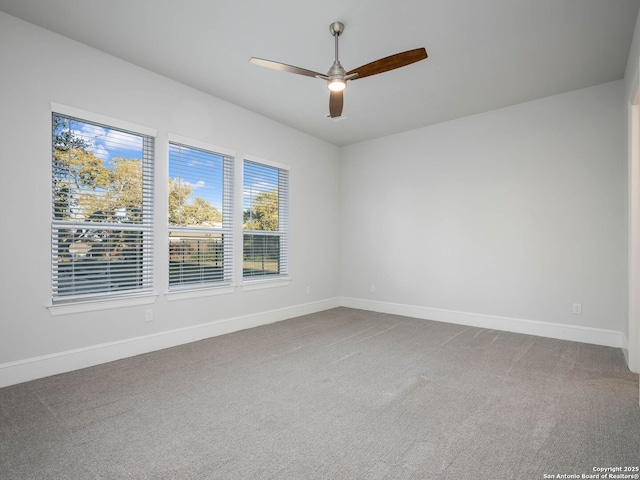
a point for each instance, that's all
(200, 217)
(265, 216)
(102, 215)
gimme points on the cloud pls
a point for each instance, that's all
(258, 187)
(92, 131)
(91, 134)
(101, 152)
(114, 139)
(194, 186)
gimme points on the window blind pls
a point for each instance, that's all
(266, 221)
(102, 211)
(200, 217)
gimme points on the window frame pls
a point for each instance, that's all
(99, 299)
(195, 289)
(283, 277)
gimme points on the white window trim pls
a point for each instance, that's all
(269, 163)
(97, 305)
(207, 291)
(102, 119)
(174, 138)
(261, 284)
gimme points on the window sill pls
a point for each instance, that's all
(96, 305)
(265, 283)
(199, 293)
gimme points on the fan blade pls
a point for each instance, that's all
(283, 67)
(335, 104)
(390, 63)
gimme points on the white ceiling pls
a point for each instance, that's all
(483, 54)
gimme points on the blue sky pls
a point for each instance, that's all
(200, 170)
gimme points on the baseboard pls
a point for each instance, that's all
(596, 336)
(32, 368)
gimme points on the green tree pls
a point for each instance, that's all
(87, 190)
(263, 213)
(178, 196)
(72, 167)
(125, 188)
(185, 213)
(77, 176)
(201, 212)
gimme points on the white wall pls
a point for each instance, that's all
(510, 215)
(38, 67)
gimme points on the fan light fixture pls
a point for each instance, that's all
(337, 85)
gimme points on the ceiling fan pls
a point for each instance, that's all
(337, 77)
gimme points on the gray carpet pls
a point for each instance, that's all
(341, 394)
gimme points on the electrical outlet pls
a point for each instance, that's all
(577, 309)
(372, 288)
(308, 290)
(148, 315)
